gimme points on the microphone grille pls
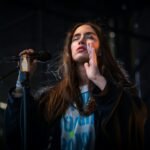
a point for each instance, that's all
(42, 55)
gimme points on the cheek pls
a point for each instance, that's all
(73, 48)
(94, 44)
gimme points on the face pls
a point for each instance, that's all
(84, 35)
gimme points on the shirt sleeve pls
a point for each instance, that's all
(12, 122)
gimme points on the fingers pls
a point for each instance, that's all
(86, 65)
(92, 54)
(32, 63)
(27, 51)
(89, 49)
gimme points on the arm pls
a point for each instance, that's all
(92, 70)
(13, 115)
(12, 121)
(121, 111)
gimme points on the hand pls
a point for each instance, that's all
(32, 62)
(27, 52)
(22, 75)
(92, 69)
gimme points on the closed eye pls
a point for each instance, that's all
(75, 38)
(89, 36)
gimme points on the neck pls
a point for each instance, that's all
(82, 74)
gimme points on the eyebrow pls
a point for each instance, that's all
(87, 33)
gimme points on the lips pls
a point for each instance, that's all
(81, 49)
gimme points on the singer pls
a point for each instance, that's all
(94, 106)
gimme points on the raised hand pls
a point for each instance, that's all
(92, 69)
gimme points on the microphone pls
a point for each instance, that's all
(40, 55)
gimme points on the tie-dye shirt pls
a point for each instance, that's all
(77, 132)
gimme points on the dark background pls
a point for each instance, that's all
(43, 24)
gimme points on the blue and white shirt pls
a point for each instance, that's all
(78, 132)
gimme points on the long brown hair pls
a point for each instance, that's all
(57, 99)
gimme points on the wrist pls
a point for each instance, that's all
(21, 78)
(100, 82)
(17, 92)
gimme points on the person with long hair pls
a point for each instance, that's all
(94, 105)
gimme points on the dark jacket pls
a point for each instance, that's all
(115, 122)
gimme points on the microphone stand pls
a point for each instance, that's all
(25, 68)
(25, 107)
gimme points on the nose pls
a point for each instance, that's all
(82, 40)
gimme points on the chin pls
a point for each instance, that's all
(81, 59)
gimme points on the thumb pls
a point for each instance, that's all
(86, 66)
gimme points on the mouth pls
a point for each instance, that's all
(81, 49)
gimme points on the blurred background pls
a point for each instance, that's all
(43, 24)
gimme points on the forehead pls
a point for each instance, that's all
(84, 29)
